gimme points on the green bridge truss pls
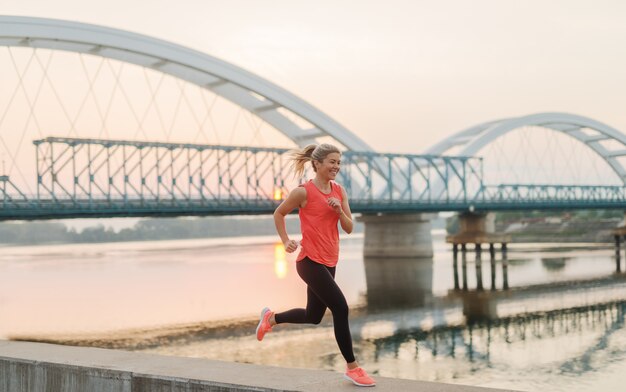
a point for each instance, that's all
(117, 178)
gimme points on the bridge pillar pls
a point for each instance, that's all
(477, 228)
(406, 235)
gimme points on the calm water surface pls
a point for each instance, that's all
(406, 319)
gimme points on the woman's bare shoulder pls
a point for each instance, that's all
(299, 191)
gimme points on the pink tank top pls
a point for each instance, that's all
(318, 223)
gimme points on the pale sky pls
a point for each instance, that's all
(399, 74)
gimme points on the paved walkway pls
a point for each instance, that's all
(26, 366)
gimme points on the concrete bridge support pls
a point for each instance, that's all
(398, 257)
(477, 228)
(395, 235)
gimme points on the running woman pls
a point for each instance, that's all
(322, 203)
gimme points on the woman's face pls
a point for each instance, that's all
(329, 167)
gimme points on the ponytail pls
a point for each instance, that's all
(310, 153)
(299, 159)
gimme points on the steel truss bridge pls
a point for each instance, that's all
(93, 177)
(109, 178)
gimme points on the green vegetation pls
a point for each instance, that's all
(554, 226)
(578, 215)
(26, 233)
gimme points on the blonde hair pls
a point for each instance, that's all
(310, 153)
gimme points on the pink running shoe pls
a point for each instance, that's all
(264, 324)
(359, 377)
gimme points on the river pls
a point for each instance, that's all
(200, 298)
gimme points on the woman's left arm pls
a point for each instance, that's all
(345, 216)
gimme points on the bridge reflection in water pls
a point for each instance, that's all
(398, 281)
(538, 331)
(591, 326)
(402, 282)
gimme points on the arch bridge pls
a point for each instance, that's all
(98, 177)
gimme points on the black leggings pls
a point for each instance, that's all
(322, 292)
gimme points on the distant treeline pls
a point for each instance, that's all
(26, 233)
(555, 226)
(574, 224)
(509, 217)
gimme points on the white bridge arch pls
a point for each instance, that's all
(245, 89)
(471, 140)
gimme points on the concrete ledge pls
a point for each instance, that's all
(26, 366)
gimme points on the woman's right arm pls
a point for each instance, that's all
(296, 198)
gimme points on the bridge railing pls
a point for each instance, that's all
(391, 181)
(546, 195)
(11, 196)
